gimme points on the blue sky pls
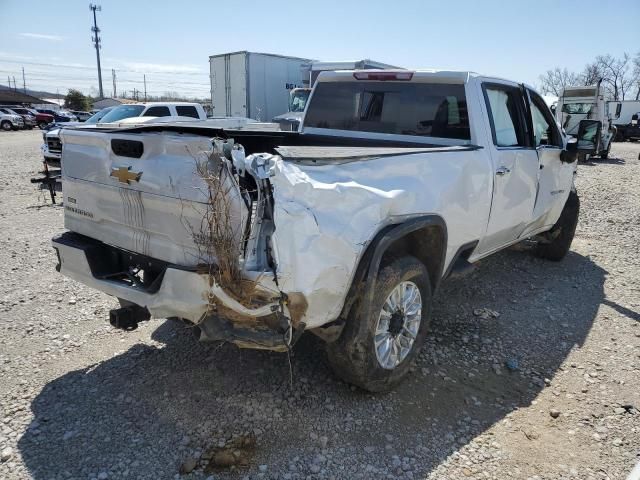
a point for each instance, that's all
(171, 41)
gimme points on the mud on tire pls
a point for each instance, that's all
(559, 238)
(353, 356)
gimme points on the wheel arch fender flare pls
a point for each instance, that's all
(364, 279)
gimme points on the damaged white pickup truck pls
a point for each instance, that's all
(345, 228)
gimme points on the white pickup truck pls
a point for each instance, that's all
(345, 228)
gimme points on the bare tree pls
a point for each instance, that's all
(636, 75)
(554, 81)
(591, 74)
(615, 74)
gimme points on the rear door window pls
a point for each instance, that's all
(187, 111)
(420, 109)
(157, 112)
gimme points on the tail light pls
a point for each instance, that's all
(369, 75)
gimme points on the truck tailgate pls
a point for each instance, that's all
(138, 192)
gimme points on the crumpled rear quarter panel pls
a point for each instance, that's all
(325, 215)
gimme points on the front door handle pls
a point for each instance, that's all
(502, 171)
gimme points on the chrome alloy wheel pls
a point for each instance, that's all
(398, 325)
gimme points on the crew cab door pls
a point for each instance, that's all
(515, 165)
(555, 178)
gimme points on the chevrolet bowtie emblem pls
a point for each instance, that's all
(124, 175)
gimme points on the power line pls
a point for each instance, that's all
(84, 67)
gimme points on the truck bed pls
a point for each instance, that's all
(258, 141)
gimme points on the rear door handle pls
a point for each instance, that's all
(502, 171)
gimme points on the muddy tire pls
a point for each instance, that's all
(558, 240)
(358, 356)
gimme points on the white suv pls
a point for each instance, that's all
(10, 121)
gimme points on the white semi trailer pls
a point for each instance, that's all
(254, 85)
(627, 110)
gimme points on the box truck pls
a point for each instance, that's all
(254, 85)
(588, 103)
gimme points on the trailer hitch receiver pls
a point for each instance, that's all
(127, 318)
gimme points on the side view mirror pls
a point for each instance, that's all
(634, 118)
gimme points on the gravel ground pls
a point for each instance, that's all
(531, 370)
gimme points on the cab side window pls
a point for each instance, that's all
(505, 112)
(157, 111)
(187, 111)
(545, 131)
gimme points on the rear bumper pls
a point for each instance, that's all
(176, 292)
(169, 291)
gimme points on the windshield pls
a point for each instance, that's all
(298, 99)
(122, 112)
(96, 117)
(577, 108)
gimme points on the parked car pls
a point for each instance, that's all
(42, 119)
(345, 228)
(60, 115)
(29, 121)
(82, 116)
(10, 121)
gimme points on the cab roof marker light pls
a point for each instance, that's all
(364, 75)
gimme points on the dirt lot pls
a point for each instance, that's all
(544, 388)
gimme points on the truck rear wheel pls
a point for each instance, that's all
(555, 243)
(376, 352)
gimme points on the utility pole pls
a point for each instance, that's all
(14, 85)
(24, 82)
(9, 80)
(113, 76)
(96, 40)
(145, 87)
